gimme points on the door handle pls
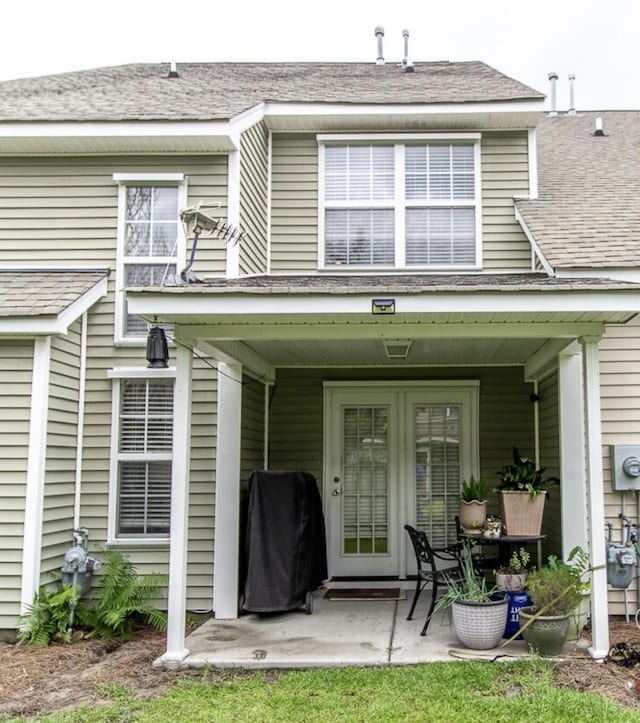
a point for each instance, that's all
(336, 493)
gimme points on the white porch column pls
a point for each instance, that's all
(177, 602)
(595, 497)
(572, 452)
(227, 530)
(34, 495)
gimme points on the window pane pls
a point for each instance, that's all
(359, 237)
(145, 275)
(144, 485)
(441, 236)
(361, 173)
(439, 172)
(138, 203)
(165, 237)
(165, 203)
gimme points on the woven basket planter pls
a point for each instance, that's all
(522, 514)
(480, 625)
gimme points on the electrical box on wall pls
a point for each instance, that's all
(625, 466)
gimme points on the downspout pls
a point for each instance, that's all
(265, 444)
(80, 431)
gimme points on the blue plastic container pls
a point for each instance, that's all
(517, 600)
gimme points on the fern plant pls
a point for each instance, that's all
(122, 596)
(48, 617)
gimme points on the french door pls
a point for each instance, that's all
(394, 453)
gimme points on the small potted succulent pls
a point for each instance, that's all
(472, 509)
(512, 576)
(492, 527)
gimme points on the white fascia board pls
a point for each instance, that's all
(148, 305)
(534, 244)
(64, 136)
(276, 109)
(140, 373)
(632, 274)
(45, 325)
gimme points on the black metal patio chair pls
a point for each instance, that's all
(427, 558)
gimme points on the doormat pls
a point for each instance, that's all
(365, 593)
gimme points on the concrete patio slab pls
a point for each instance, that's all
(337, 634)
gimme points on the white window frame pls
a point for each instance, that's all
(118, 374)
(124, 180)
(400, 203)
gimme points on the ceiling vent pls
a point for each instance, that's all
(397, 348)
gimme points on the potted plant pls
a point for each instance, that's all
(556, 590)
(512, 576)
(472, 509)
(523, 490)
(479, 612)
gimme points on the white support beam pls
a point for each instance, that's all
(235, 352)
(544, 360)
(595, 497)
(233, 212)
(364, 329)
(572, 452)
(36, 467)
(176, 650)
(227, 513)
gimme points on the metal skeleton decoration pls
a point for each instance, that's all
(196, 221)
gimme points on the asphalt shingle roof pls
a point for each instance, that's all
(588, 210)
(43, 293)
(219, 91)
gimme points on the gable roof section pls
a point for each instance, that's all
(587, 214)
(46, 302)
(221, 91)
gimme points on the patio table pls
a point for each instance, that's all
(506, 543)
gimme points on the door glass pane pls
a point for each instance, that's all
(437, 465)
(365, 480)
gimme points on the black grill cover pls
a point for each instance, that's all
(285, 548)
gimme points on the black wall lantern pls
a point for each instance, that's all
(157, 348)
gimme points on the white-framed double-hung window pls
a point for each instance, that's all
(151, 244)
(400, 203)
(141, 454)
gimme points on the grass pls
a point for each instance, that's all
(467, 691)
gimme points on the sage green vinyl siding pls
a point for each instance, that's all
(549, 425)
(63, 211)
(16, 368)
(254, 149)
(294, 202)
(619, 351)
(505, 174)
(252, 453)
(296, 426)
(61, 446)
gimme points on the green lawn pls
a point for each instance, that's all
(465, 691)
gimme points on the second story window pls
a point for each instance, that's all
(410, 204)
(150, 246)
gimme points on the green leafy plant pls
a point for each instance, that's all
(557, 587)
(48, 617)
(517, 563)
(470, 586)
(475, 489)
(523, 476)
(121, 597)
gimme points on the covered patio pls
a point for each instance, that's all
(545, 328)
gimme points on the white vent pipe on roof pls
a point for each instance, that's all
(553, 79)
(598, 131)
(173, 71)
(406, 63)
(379, 31)
(572, 99)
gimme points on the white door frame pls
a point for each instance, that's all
(405, 394)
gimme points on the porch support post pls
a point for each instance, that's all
(227, 529)
(177, 603)
(595, 497)
(573, 491)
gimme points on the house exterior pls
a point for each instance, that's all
(417, 271)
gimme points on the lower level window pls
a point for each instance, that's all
(144, 457)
